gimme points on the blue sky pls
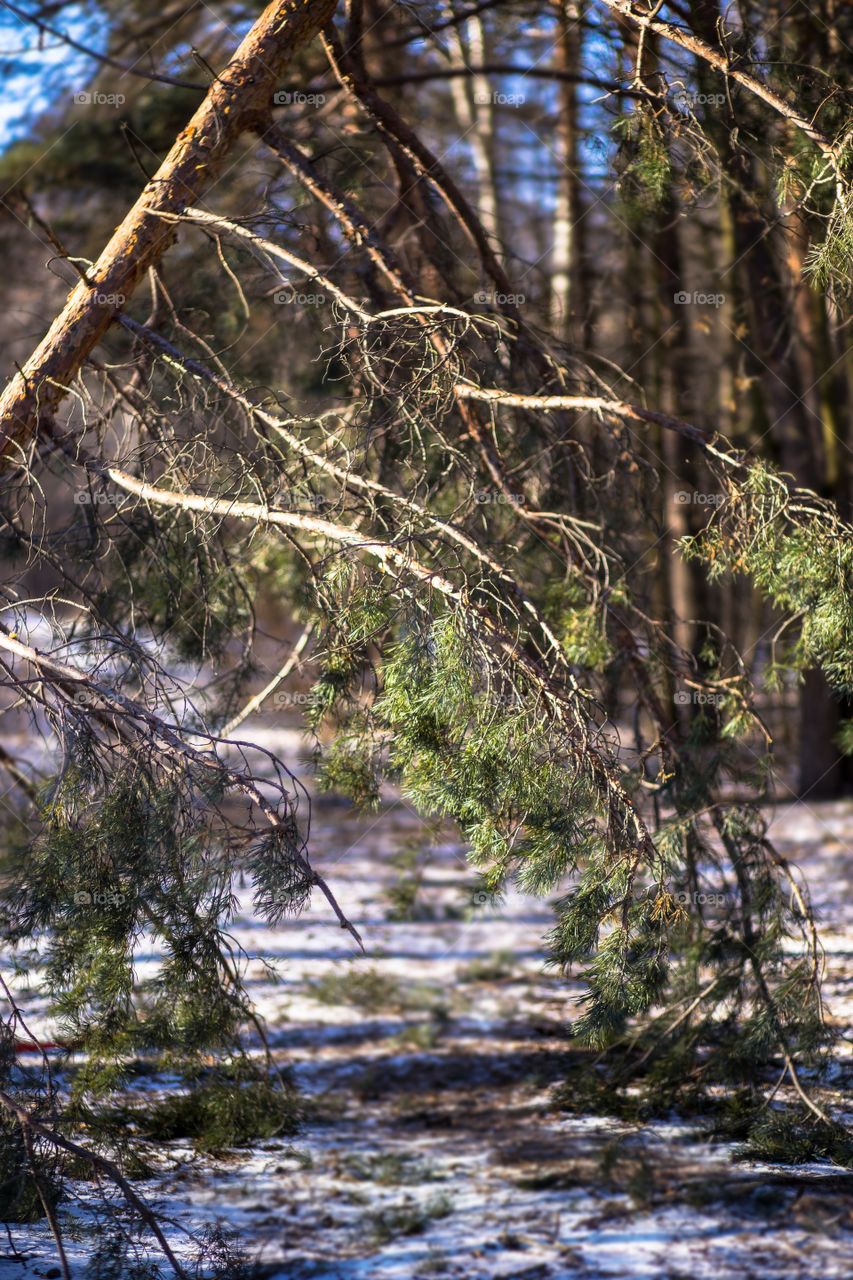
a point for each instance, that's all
(33, 68)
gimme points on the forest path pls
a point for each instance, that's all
(431, 1146)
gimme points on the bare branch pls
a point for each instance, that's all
(693, 44)
(260, 698)
(596, 404)
(103, 1166)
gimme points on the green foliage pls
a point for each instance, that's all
(796, 552)
(113, 1259)
(223, 1111)
(393, 1169)
(118, 1256)
(348, 767)
(187, 588)
(282, 883)
(845, 737)
(469, 737)
(116, 856)
(626, 975)
(21, 1196)
(786, 1137)
(644, 162)
(779, 1133)
(827, 263)
(408, 1219)
(579, 624)
(465, 750)
(404, 895)
(365, 989)
(493, 968)
(101, 161)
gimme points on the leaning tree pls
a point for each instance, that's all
(302, 365)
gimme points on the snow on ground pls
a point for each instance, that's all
(430, 1146)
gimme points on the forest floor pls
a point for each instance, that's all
(431, 1146)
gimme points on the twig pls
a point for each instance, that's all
(168, 736)
(259, 698)
(104, 1166)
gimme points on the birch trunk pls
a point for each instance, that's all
(567, 212)
(474, 110)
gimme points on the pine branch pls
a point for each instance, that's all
(646, 21)
(101, 1165)
(168, 739)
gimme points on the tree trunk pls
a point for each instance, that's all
(565, 276)
(821, 772)
(473, 106)
(239, 99)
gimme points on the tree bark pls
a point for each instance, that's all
(565, 274)
(821, 764)
(239, 99)
(472, 103)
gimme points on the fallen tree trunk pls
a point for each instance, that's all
(238, 100)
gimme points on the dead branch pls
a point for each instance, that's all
(595, 404)
(167, 737)
(693, 44)
(103, 1166)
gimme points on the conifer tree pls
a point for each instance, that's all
(461, 511)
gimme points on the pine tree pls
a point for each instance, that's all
(462, 514)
